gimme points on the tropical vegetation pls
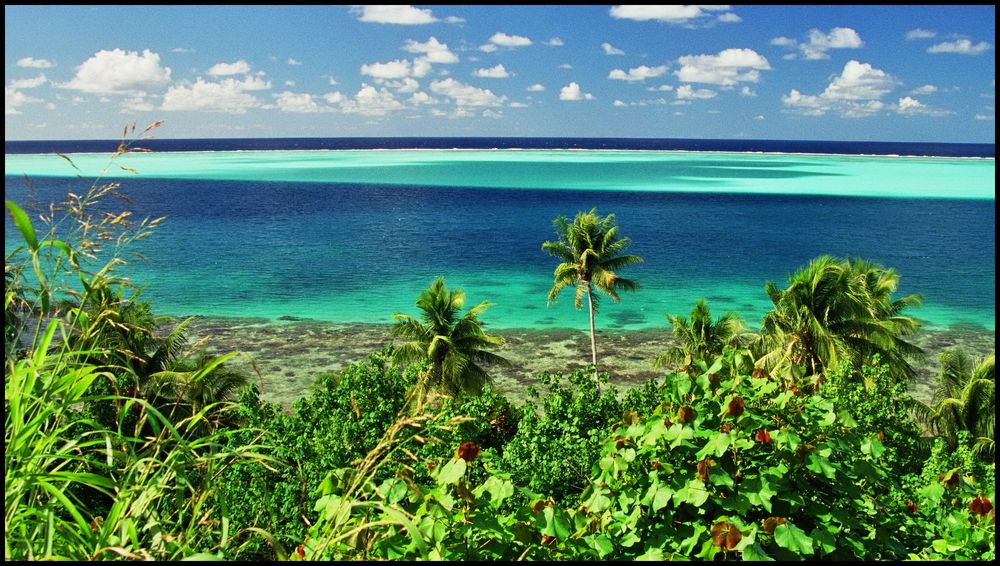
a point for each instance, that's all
(795, 442)
(591, 251)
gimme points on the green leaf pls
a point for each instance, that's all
(602, 544)
(871, 446)
(825, 541)
(556, 524)
(499, 489)
(662, 497)
(717, 446)
(793, 538)
(451, 472)
(756, 554)
(23, 224)
(203, 556)
(821, 465)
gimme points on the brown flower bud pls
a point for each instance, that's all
(467, 451)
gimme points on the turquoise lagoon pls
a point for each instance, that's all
(354, 235)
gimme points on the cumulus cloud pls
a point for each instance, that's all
(687, 92)
(503, 40)
(182, 50)
(819, 43)
(920, 34)
(497, 72)
(28, 83)
(909, 105)
(239, 67)
(639, 73)
(859, 81)
(119, 71)
(228, 95)
(572, 92)
(565, 66)
(554, 42)
(394, 14)
(301, 103)
(14, 99)
(466, 95)
(855, 93)
(960, 46)
(678, 15)
(32, 63)
(371, 101)
(536, 88)
(611, 49)
(391, 70)
(746, 91)
(926, 89)
(434, 51)
(729, 67)
(292, 61)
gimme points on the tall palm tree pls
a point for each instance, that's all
(455, 346)
(590, 249)
(700, 336)
(965, 399)
(190, 385)
(837, 311)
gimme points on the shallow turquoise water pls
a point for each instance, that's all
(354, 236)
(905, 177)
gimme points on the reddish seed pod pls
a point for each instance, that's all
(736, 406)
(725, 536)
(771, 522)
(686, 414)
(703, 467)
(763, 436)
(467, 451)
(980, 505)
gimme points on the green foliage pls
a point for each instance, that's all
(455, 347)
(837, 311)
(558, 442)
(701, 337)
(964, 400)
(590, 250)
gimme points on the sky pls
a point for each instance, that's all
(850, 73)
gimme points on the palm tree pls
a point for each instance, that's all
(965, 399)
(455, 346)
(700, 336)
(190, 385)
(837, 311)
(590, 249)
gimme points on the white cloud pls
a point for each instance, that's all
(32, 63)
(29, 83)
(182, 50)
(536, 88)
(372, 102)
(118, 71)
(454, 20)
(908, 105)
(422, 98)
(686, 92)
(239, 67)
(746, 91)
(490, 113)
(227, 95)
(14, 99)
(333, 97)
(517, 105)
(611, 49)
(565, 66)
(758, 117)
(292, 61)
(572, 92)
(680, 15)
(136, 104)
(466, 95)
(859, 81)
(855, 93)
(618, 104)
(960, 46)
(729, 18)
(639, 73)
(404, 85)
(393, 14)
(433, 50)
(819, 43)
(926, 89)
(920, 34)
(729, 67)
(554, 42)
(488, 48)
(497, 72)
(392, 70)
(301, 103)
(289, 83)
(503, 40)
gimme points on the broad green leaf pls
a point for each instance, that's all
(793, 538)
(452, 472)
(755, 553)
(602, 544)
(871, 446)
(821, 465)
(825, 541)
(23, 224)
(556, 524)
(716, 446)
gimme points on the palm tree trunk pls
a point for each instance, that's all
(593, 332)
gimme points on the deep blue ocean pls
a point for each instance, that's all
(358, 252)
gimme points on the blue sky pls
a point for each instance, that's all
(883, 73)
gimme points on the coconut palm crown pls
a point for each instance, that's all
(591, 252)
(456, 347)
(700, 336)
(837, 311)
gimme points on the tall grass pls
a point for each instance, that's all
(75, 486)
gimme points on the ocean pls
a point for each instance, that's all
(351, 230)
